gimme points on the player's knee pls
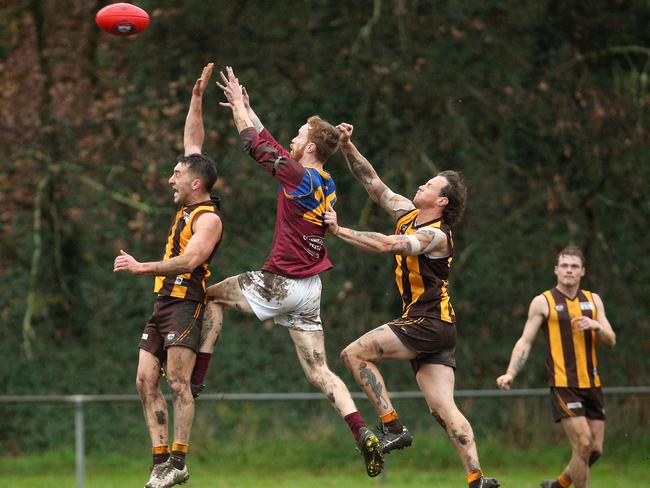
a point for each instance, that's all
(345, 357)
(583, 446)
(145, 386)
(224, 293)
(179, 387)
(594, 455)
(317, 376)
(350, 355)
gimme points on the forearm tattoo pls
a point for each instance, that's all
(519, 363)
(377, 242)
(360, 168)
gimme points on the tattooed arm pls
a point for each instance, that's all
(537, 312)
(425, 241)
(363, 171)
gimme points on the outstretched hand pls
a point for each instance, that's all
(329, 217)
(202, 83)
(126, 263)
(345, 134)
(233, 91)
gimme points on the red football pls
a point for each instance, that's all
(122, 19)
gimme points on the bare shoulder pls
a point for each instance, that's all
(597, 300)
(207, 220)
(539, 306)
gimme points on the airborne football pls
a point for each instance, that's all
(122, 19)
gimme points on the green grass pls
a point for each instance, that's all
(604, 476)
(305, 459)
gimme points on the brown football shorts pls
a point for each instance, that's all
(174, 322)
(433, 340)
(577, 402)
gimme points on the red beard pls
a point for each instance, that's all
(297, 153)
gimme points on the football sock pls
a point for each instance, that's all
(200, 368)
(355, 422)
(179, 451)
(392, 422)
(474, 479)
(160, 454)
(563, 481)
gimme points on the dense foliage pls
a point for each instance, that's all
(542, 104)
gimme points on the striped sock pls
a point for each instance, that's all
(474, 478)
(160, 454)
(179, 451)
(392, 422)
(563, 481)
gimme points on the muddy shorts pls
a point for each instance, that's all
(577, 402)
(293, 303)
(174, 322)
(433, 340)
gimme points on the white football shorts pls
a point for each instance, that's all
(293, 303)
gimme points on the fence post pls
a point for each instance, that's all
(80, 450)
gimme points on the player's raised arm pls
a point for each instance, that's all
(262, 147)
(537, 312)
(235, 95)
(257, 123)
(360, 167)
(194, 133)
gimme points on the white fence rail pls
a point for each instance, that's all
(80, 400)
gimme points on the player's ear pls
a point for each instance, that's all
(196, 184)
(443, 201)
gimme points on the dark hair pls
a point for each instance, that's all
(571, 251)
(202, 167)
(456, 192)
(324, 135)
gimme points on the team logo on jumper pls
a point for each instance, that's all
(314, 245)
(186, 217)
(586, 306)
(403, 228)
(180, 281)
(172, 335)
(145, 336)
(574, 405)
(595, 372)
(560, 308)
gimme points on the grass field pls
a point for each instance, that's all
(292, 462)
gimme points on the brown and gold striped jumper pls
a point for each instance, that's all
(423, 281)
(571, 360)
(190, 286)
